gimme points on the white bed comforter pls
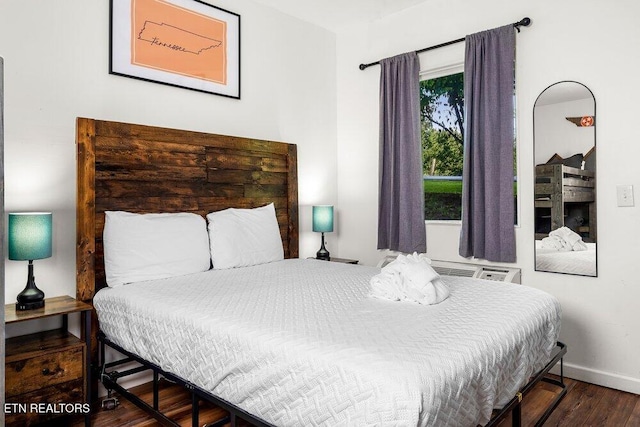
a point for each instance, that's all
(571, 262)
(299, 343)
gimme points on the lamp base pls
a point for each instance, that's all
(21, 306)
(323, 253)
(31, 297)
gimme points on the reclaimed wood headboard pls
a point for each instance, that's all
(147, 169)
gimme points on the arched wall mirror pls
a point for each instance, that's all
(564, 117)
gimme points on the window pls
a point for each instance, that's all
(442, 128)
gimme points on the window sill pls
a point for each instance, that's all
(443, 222)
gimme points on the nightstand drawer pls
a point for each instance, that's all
(47, 368)
(70, 392)
(43, 370)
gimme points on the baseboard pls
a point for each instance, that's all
(601, 378)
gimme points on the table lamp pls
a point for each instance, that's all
(323, 223)
(29, 239)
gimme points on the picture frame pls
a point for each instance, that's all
(183, 43)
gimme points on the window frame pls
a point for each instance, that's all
(434, 73)
(455, 68)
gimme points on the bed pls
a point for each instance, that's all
(582, 263)
(292, 342)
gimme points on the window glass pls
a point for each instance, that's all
(442, 128)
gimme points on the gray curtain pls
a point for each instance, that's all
(487, 194)
(401, 207)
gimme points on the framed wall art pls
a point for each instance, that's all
(183, 43)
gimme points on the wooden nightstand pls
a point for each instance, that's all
(47, 373)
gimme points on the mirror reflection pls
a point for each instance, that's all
(565, 180)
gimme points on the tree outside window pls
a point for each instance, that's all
(442, 122)
(442, 125)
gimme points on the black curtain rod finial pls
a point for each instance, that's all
(524, 22)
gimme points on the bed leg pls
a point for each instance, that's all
(101, 361)
(516, 415)
(155, 390)
(195, 409)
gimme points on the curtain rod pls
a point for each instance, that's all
(524, 22)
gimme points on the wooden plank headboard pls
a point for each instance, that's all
(146, 169)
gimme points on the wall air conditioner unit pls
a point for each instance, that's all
(477, 271)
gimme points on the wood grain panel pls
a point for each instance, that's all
(135, 144)
(144, 204)
(69, 392)
(190, 138)
(85, 209)
(160, 173)
(245, 177)
(292, 197)
(227, 159)
(41, 360)
(125, 188)
(149, 158)
(213, 204)
(55, 306)
(265, 191)
(27, 375)
(174, 401)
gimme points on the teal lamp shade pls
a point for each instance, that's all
(323, 218)
(30, 236)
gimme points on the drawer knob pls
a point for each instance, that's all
(47, 371)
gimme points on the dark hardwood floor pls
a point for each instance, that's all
(584, 405)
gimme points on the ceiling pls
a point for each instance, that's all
(336, 14)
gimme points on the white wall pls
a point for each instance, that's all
(595, 43)
(554, 134)
(56, 68)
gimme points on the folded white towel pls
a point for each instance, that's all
(409, 278)
(564, 239)
(555, 243)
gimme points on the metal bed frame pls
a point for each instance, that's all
(109, 379)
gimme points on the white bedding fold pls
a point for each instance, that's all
(409, 278)
(564, 239)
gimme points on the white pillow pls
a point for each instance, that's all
(244, 237)
(153, 246)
